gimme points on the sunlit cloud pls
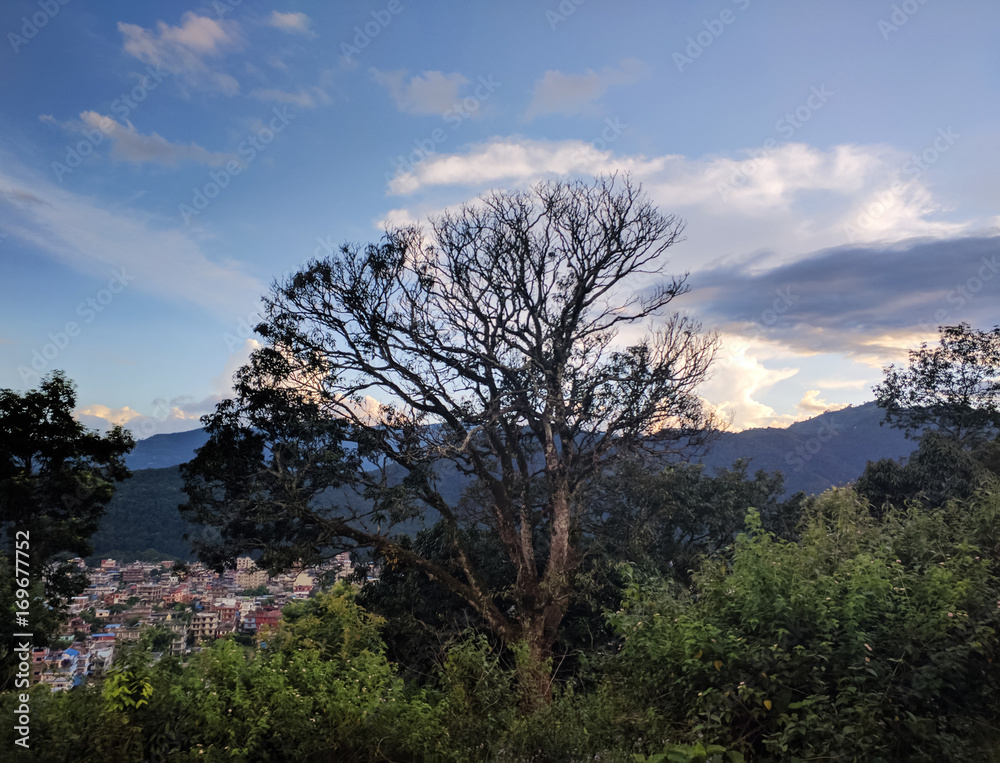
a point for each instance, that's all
(293, 23)
(132, 146)
(183, 50)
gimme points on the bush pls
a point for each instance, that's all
(322, 691)
(862, 639)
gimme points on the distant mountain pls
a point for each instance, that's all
(163, 450)
(142, 520)
(830, 449)
(814, 455)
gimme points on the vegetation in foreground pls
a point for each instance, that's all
(862, 639)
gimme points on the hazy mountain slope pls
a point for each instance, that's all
(830, 449)
(163, 450)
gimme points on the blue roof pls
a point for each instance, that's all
(71, 652)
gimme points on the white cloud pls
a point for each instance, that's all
(293, 23)
(131, 146)
(789, 200)
(558, 93)
(178, 414)
(812, 405)
(109, 415)
(87, 236)
(223, 383)
(510, 161)
(428, 93)
(183, 49)
(738, 377)
(306, 98)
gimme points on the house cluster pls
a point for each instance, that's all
(179, 608)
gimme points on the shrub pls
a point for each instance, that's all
(832, 646)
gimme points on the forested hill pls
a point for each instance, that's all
(830, 449)
(162, 450)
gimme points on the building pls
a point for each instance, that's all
(261, 619)
(133, 573)
(251, 578)
(205, 626)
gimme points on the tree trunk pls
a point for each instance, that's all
(534, 665)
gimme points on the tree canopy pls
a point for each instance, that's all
(953, 388)
(56, 477)
(507, 347)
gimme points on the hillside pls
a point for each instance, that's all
(830, 449)
(163, 450)
(814, 455)
(142, 520)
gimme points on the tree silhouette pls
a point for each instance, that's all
(505, 348)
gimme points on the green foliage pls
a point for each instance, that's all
(142, 521)
(953, 388)
(664, 520)
(158, 639)
(941, 469)
(322, 690)
(691, 753)
(56, 477)
(861, 639)
(855, 638)
(260, 590)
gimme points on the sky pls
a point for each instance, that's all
(162, 163)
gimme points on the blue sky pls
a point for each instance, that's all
(161, 163)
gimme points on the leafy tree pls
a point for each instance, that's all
(663, 520)
(494, 346)
(953, 388)
(157, 639)
(861, 640)
(938, 471)
(56, 477)
(948, 397)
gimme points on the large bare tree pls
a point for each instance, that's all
(522, 342)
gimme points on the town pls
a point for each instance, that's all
(174, 608)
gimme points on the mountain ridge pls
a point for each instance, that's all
(830, 449)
